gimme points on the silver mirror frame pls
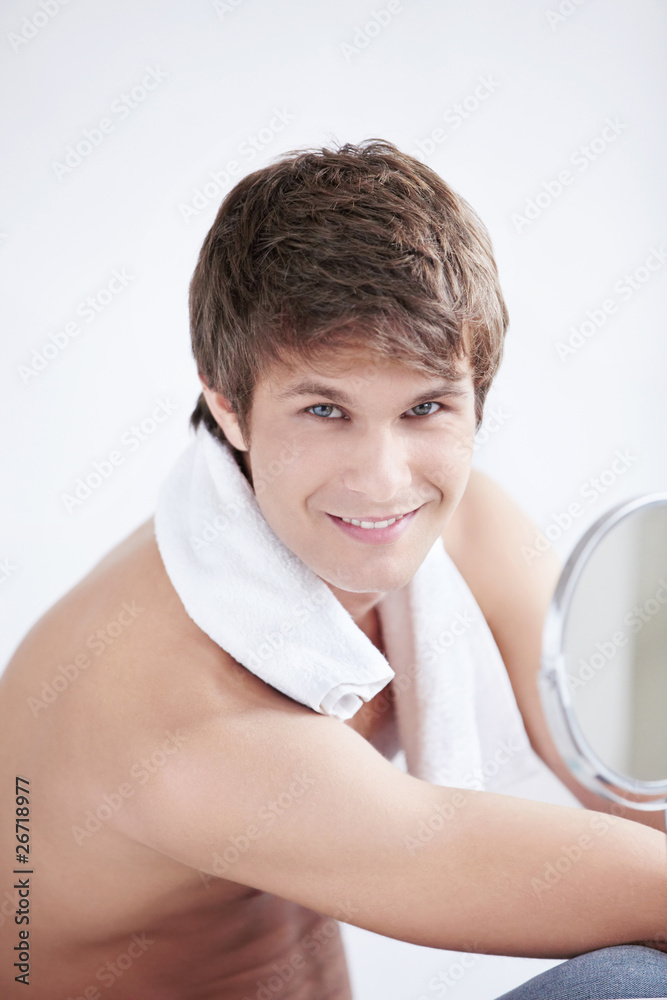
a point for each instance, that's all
(553, 685)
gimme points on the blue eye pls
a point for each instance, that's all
(430, 403)
(330, 406)
(321, 406)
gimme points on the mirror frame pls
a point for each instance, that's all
(553, 684)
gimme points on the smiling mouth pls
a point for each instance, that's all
(374, 522)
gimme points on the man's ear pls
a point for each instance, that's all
(224, 416)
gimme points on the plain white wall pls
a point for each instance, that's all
(535, 79)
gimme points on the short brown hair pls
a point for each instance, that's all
(360, 245)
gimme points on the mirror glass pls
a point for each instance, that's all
(615, 646)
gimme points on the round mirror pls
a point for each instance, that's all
(603, 679)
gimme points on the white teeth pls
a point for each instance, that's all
(370, 524)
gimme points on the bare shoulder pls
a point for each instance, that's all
(116, 667)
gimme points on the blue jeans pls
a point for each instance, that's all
(616, 973)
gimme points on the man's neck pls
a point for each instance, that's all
(360, 606)
(371, 626)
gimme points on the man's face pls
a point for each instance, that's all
(371, 441)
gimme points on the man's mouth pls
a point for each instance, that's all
(373, 523)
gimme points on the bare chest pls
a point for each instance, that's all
(375, 719)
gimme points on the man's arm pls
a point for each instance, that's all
(299, 805)
(486, 537)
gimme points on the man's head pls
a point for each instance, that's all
(361, 269)
(358, 439)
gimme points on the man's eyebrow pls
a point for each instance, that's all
(311, 387)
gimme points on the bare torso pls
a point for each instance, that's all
(100, 695)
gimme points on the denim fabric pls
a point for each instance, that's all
(616, 973)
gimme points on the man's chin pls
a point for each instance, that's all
(365, 582)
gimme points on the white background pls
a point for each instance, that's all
(554, 81)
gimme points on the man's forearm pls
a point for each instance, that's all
(539, 880)
(442, 867)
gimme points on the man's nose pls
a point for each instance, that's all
(377, 466)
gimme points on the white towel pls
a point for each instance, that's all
(457, 718)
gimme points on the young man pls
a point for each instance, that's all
(345, 304)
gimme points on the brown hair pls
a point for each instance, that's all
(360, 245)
